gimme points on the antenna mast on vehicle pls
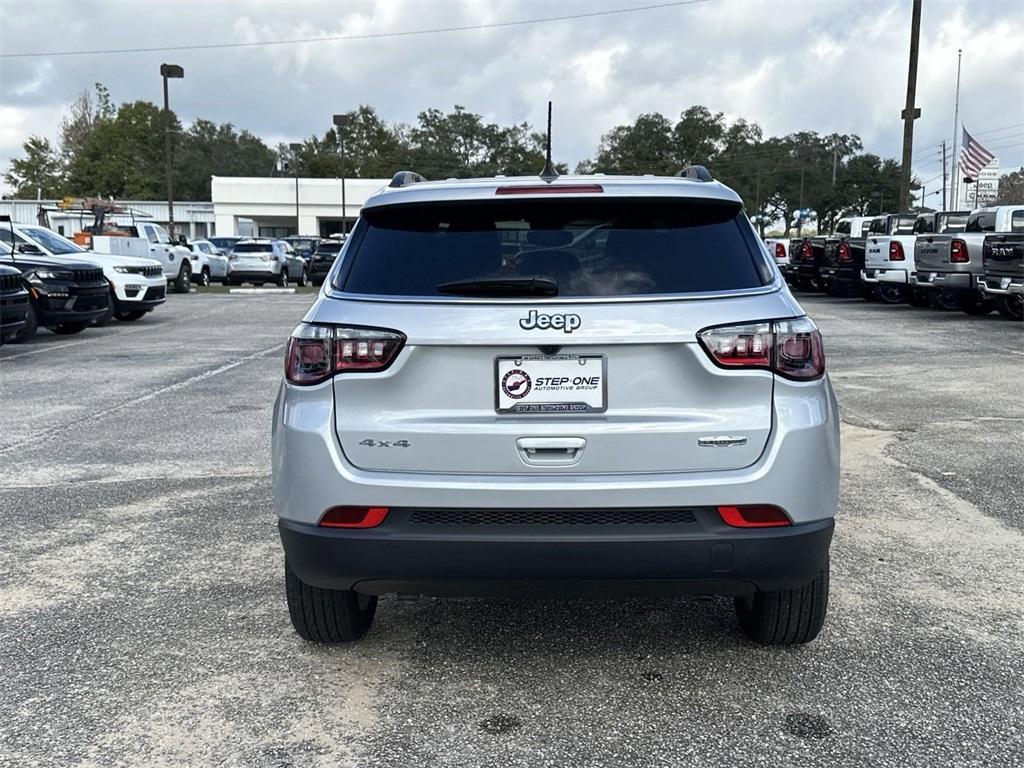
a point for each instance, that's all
(548, 173)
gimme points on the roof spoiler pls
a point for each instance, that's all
(405, 178)
(695, 173)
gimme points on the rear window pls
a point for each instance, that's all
(982, 221)
(1017, 221)
(329, 248)
(607, 247)
(253, 248)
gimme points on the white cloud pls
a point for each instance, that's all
(837, 66)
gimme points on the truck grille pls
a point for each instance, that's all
(10, 283)
(552, 517)
(154, 271)
(88, 276)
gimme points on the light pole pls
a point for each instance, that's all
(341, 122)
(168, 71)
(295, 169)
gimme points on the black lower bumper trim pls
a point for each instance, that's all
(704, 557)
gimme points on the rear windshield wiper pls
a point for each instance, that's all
(537, 285)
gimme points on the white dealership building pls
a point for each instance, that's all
(241, 205)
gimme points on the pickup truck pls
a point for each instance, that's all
(778, 249)
(805, 255)
(64, 296)
(889, 255)
(952, 264)
(148, 239)
(137, 286)
(842, 257)
(1003, 263)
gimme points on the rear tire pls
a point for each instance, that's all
(303, 280)
(786, 617)
(28, 330)
(944, 299)
(281, 281)
(204, 278)
(1011, 307)
(891, 294)
(327, 615)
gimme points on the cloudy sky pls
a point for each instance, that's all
(825, 66)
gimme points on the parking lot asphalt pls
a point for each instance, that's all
(143, 619)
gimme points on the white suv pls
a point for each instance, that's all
(137, 286)
(593, 385)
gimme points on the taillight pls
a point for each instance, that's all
(550, 189)
(790, 348)
(780, 251)
(353, 517)
(958, 252)
(896, 251)
(317, 352)
(805, 250)
(753, 516)
(844, 252)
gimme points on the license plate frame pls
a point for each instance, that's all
(504, 365)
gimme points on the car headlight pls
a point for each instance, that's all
(124, 270)
(49, 274)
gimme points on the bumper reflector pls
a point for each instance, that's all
(353, 517)
(753, 516)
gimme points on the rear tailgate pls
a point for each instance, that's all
(436, 408)
(1004, 255)
(931, 253)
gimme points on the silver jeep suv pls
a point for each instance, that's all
(588, 386)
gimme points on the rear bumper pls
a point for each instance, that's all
(252, 274)
(702, 556)
(954, 281)
(876, 275)
(999, 285)
(840, 274)
(797, 471)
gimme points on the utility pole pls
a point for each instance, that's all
(944, 176)
(910, 112)
(835, 162)
(954, 186)
(168, 71)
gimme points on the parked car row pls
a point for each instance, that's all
(258, 260)
(68, 288)
(956, 260)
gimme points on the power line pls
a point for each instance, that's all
(366, 36)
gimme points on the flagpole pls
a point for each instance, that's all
(954, 193)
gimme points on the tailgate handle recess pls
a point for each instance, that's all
(551, 451)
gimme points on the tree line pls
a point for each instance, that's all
(117, 152)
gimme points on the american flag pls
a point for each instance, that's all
(973, 156)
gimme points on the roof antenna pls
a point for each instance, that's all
(549, 173)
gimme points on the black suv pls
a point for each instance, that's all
(323, 259)
(65, 296)
(14, 303)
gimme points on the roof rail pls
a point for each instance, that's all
(695, 172)
(405, 178)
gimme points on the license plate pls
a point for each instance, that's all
(551, 384)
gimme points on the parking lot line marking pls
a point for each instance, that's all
(48, 433)
(44, 349)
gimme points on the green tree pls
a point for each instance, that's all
(39, 173)
(85, 112)
(372, 149)
(123, 157)
(207, 149)
(646, 146)
(1011, 188)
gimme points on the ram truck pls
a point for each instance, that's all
(952, 264)
(805, 256)
(843, 257)
(778, 248)
(889, 257)
(1003, 278)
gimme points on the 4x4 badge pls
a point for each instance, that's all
(567, 323)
